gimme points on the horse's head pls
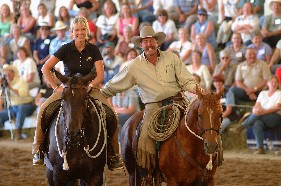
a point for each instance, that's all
(209, 119)
(74, 101)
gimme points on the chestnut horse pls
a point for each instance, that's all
(77, 137)
(192, 153)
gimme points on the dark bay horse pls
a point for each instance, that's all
(77, 137)
(192, 153)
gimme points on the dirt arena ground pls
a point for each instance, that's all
(240, 168)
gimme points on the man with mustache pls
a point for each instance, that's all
(160, 76)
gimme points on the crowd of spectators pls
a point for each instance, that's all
(230, 39)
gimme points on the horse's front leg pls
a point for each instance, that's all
(50, 177)
(95, 179)
(59, 177)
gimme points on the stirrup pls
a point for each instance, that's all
(38, 158)
(115, 163)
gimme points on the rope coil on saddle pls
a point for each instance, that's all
(160, 131)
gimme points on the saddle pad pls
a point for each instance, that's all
(49, 114)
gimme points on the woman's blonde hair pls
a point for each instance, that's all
(81, 20)
(10, 16)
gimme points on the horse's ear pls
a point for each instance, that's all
(198, 91)
(89, 77)
(62, 78)
(219, 94)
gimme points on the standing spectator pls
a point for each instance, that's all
(27, 23)
(111, 61)
(126, 18)
(183, 46)
(251, 77)
(6, 20)
(237, 50)
(106, 24)
(246, 24)
(45, 16)
(27, 68)
(211, 6)
(186, 10)
(276, 57)
(41, 47)
(228, 12)
(208, 54)
(226, 69)
(18, 40)
(201, 70)
(166, 25)
(271, 29)
(229, 113)
(205, 27)
(91, 5)
(266, 113)
(167, 5)
(21, 103)
(264, 51)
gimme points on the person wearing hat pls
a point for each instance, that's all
(41, 47)
(21, 104)
(78, 56)
(205, 27)
(271, 29)
(226, 69)
(160, 76)
(111, 61)
(229, 113)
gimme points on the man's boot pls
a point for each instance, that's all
(113, 158)
(18, 134)
(38, 158)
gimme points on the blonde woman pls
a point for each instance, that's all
(78, 56)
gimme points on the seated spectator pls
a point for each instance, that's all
(2, 52)
(226, 70)
(64, 16)
(211, 6)
(227, 100)
(45, 16)
(205, 27)
(266, 113)
(27, 22)
(41, 47)
(278, 74)
(166, 25)
(126, 18)
(258, 6)
(237, 50)
(207, 51)
(228, 12)
(251, 77)
(124, 44)
(6, 20)
(111, 61)
(246, 23)
(183, 46)
(271, 29)
(131, 54)
(125, 104)
(27, 68)
(93, 29)
(264, 51)
(18, 40)
(21, 104)
(106, 24)
(50, 5)
(143, 10)
(186, 12)
(275, 60)
(91, 5)
(167, 5)
(201, 70)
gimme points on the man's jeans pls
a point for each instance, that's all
(19, 112)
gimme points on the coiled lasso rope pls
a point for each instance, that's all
(163, 130)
